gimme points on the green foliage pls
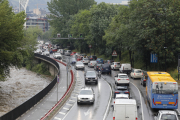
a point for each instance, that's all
(41, 69)
(11, 32)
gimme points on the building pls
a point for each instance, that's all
(41, 22)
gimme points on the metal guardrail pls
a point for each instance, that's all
(21, 109)
(61, 102)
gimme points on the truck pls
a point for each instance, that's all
(125, 109)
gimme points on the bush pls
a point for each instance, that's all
(41, 69)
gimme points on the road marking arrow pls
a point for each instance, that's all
(87, 113)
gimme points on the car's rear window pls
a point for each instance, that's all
(86, 59)
(117, 63)
(123, 76)
(79, 63)
(138, 71)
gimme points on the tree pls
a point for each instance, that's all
(11, 32)
(101, 16)
(61, 12)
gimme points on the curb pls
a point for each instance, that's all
(61, 102)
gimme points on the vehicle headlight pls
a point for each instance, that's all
(90, 98)
(86, 78)
(79, 98)
(96, 78)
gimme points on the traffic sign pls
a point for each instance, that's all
(114, 53)
(90, 46)
(154, 58)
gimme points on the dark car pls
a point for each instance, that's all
(100, 60)
(96, 66)
(143, 80)
(91, 77)
(121, 90)
(105, 68)
(92, 57)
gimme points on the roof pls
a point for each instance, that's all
(122, 74)
(160, 77)
(125, 101)
(167, 111)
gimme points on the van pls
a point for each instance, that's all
(125, 109)
(67, 53)
(125, 68)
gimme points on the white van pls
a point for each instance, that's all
(67, 53)
(125, 68)
(125, 109)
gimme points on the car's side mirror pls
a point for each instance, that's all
(138, 107)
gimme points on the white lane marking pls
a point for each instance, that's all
(87, 113)
(35, 109)
(62, 113)
(74, 97)
(57, 118)
(32, 112)
(108, 102)
(68, 104)
(65, 108)
(141, 101)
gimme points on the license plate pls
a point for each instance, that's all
(164, 104)
(106, 69)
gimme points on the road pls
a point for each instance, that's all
(101, 109)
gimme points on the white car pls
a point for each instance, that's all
(57, 55)
(46, 53)
(39, 51)
(85, 60)
(86, 95)
(67, 52)
(121, 79)
(136, 73)
(166, 115)
(91, 63)
(115, 65)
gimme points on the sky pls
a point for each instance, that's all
(110, 1)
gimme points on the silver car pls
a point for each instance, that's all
(86, 95)
(79, 65)
(91, 63)
(57, 55)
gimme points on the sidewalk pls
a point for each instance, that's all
(40, 109)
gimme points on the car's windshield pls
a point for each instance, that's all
(123, 76)
(91, 73)
(57, 53)
(122, 98)
(86, 92)
(121, 88)
(165, 88)
(168, 117)
(79, 63)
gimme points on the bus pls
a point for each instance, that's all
(161, 90)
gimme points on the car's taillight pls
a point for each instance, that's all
(126, 92)
(113, 118)
(158, 102)
(119, 79)
(127, 79)
(144, 80)
(142, 73)
(134, 74)
(91, 63)
(136, 118)
(116, 92)
(102, 68)
(114, 65)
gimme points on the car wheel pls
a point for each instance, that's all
(85, 83)
(78, 103)
(96, 82)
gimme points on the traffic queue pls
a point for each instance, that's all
(161, 88)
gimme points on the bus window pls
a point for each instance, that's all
(162, 88)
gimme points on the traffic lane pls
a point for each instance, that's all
(134, 93)
(146, 107)
(97, 110)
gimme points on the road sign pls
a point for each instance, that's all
(90, 46)
(114, 53)
(153, 58)
(58, 35)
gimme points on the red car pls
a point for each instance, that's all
(79, 58)
(54, 50)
